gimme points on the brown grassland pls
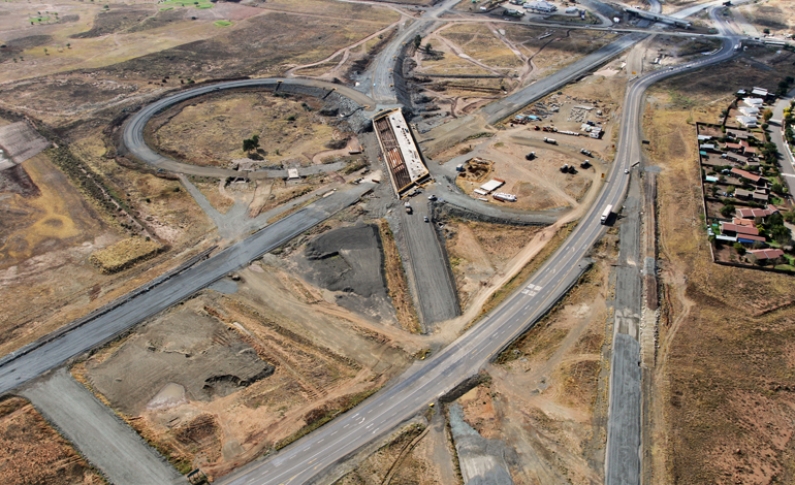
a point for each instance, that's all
(724, 411)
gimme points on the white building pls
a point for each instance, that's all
(759, 92)
(747, 121)
(492, 184)
(540, 6)
(753, 102)
(749, 111)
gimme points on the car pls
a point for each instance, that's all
(626, 170)
(431, 197)
(425, 218)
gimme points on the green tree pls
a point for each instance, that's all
(767, 114)
(739, 248)
(428, 48)
(251, 144)
(417, 41)
(727, 210)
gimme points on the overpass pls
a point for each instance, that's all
(658, 17)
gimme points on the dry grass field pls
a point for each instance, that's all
(724, 410)
(211, 131)
(479, 251)
(115, 61)
(32, 452)
(776, 15)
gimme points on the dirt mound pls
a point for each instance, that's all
(349, 260)
(125, 254)
(185, 347)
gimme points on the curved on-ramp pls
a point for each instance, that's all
(133, 132)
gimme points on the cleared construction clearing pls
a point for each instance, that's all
(228, 375)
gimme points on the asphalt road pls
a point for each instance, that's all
(622, 450)
(307, 458)
(433, 279)
(381, 74)
(26, 367)
(106, 441)
(787, 162)
(498, 110)
(133, 135)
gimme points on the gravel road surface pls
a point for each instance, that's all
(623, 431)
(106, 441)
(23, 368)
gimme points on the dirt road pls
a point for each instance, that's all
(109, 444)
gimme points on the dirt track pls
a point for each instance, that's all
(110, 445)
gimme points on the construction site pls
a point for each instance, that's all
(311, 241)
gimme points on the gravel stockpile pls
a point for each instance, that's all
(349, 261)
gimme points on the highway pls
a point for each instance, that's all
(16, 371)
(623, 448)
(309, 457)
(433, 279)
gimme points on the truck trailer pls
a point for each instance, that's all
(607, 213)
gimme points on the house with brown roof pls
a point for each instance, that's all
(768, 255)
(743, 222)
(756, 214)
(748, 176)
(736, 230)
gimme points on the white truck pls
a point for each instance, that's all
(408, 207)
(551, 141)
(606, 214)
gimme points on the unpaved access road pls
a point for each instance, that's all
(16, 370)
(107, 442)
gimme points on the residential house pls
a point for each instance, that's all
(734, 147)
(749, 111)
(749, 177)
(743, 194)
(747, 121)
(769, 255)
(737, 158)
(752, 102)
(755, 214)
